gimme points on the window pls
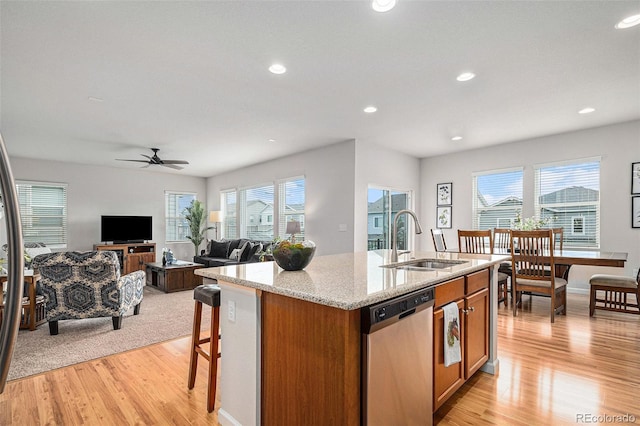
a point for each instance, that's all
(382, 206)
(568, 195)
(577, 225)
(291, 205)
(497, 197)
(229, 204)
(176, 226)
(255, 207)
(43, 209)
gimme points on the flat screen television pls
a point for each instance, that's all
(126, 229)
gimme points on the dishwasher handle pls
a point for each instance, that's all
(383, 314)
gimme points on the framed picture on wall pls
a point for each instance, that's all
(635, 212)
(635, 178)
(444, 193)
(443, 216)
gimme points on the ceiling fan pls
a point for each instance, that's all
(157, 161)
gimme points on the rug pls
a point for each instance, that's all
(163, 316)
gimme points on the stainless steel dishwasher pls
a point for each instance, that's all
(397, 374)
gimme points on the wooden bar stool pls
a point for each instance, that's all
(209, 295)
(615, 290)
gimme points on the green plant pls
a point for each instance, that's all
(530, 223)
(195, 215)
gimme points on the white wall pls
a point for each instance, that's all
(94, 191)
(617, 145)
(329, 183)
(382, 168)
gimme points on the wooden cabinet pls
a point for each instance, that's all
(132, 257)
(471, 294)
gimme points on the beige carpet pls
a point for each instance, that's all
(162, 317)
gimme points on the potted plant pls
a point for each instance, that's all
(194, 214)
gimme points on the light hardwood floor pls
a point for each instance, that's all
(549, 374)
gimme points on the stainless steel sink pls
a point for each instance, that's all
(425, 264)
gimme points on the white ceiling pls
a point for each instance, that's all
(191, 78)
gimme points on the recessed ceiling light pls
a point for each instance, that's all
(272, 140)
(586, 110)
(456, 138)
(94, 99)
(628, 22)
(278, 69)
(465, 76)
(383, 5)
(370, 109)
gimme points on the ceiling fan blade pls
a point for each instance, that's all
(174, 162)
(171, 166)
(137, 161)
(150, 158)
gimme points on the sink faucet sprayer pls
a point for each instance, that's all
(394, 232)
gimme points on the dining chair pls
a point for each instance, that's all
(438, 240)
(475, 241)
(614, 293)
(531, 252)
(502, 245)
(481, 242)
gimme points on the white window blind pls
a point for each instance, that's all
(568, 195)
(255, 205)
(176, 226)
(291, 196)
(43, 209)
(497, 197)
(230, 225)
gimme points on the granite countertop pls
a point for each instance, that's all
(350, 280)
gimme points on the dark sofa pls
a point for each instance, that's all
(231, 252)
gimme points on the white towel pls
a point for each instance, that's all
(452, 353)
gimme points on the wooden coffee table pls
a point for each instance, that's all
(175, 277)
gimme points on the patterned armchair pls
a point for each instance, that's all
(87, 285)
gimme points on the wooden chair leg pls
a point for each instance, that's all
(195, 338)
(136, 309)
(213, 359)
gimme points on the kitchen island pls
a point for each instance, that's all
(291, 345)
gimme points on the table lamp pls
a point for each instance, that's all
(293, 227)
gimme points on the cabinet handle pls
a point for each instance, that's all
(468, 311)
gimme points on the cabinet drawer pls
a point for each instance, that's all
(477, 281)
(449, 291)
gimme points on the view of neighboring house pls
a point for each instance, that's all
(379, 216)
(574, 208)
(259, 220)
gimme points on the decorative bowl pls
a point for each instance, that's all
(294, 256)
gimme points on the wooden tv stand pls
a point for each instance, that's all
(132, 256)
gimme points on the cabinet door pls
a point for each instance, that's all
(135, 262)
(446, 380)
(476, 331)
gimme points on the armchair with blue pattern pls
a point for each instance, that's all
(80, 285)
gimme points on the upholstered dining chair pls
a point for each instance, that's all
(502, 245)
(439, 243)
(481, 242)
(80, 285)
(531, 252)
(612, 293)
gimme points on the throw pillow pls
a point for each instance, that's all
(241, 249)
(235, 255)
(219, 248)
(249, 250)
